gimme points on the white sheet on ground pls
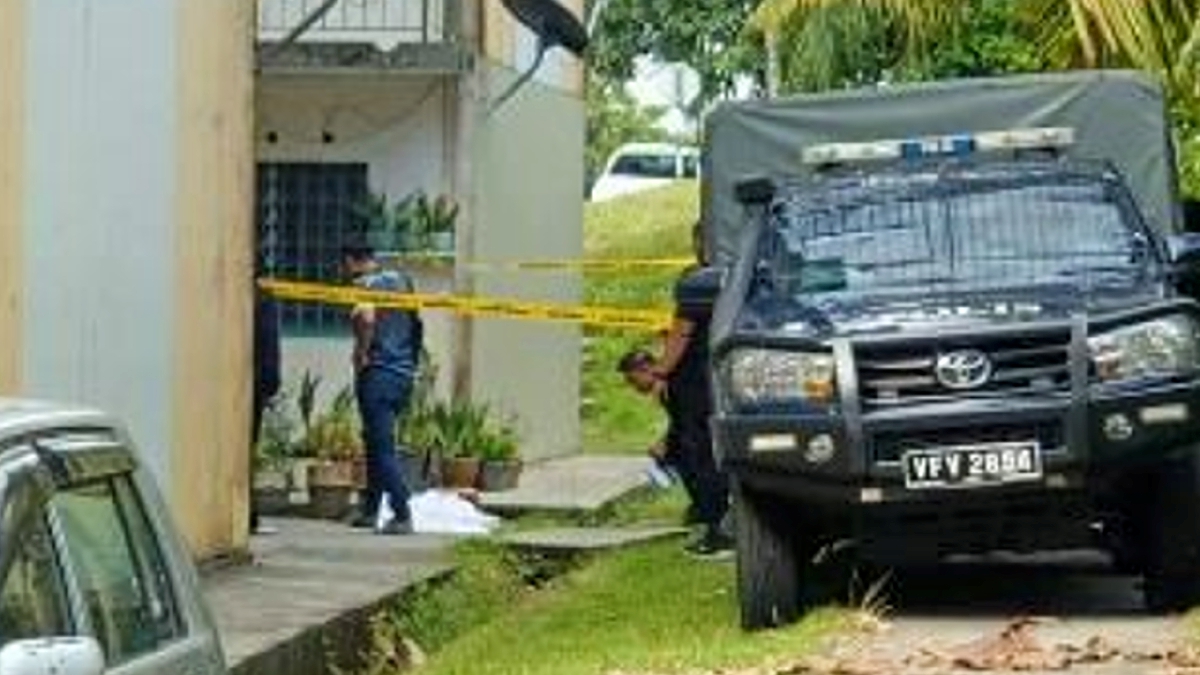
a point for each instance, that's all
(444, 512)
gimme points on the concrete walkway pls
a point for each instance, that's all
(311, 587)
(572, 484)
(314, 585)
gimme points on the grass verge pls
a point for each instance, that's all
(646, 609)
(654, 224)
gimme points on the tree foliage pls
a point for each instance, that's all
(613, 118)
(709, 36)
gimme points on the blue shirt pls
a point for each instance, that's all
(395, 344)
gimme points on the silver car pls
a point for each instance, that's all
(93, 577)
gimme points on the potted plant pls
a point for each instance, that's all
(333, 439)
(501, 466)
(434, 221)
(459, 426)
(416, 431)
(272, 476)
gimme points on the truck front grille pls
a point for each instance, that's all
(890, 446)
(902, 373)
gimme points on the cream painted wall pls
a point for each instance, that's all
(507, 43)
(133, 174)
(12, 182)
(530, 201)
(398, 125)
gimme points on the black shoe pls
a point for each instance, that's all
(362, 522)
(396, 526)
(712, 545)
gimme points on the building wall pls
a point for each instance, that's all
(131, 169)
(528, 180)
(12, 178)
(399, 125)
(530, 193)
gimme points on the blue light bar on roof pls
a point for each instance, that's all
(954, 145)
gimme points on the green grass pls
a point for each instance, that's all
(643, 609)
(654, 224)
(1191, 625)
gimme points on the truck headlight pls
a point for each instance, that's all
(758, 376)
(1165, 346)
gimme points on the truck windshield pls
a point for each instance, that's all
(963, 229)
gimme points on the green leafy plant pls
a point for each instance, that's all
(459, 426)
(500, 443)
(334, 434)
(306, 399)
(275, 441)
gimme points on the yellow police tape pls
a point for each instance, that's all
(607, 317)
(584, 264)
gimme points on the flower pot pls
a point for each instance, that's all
(330, 502)
(497, 476)
(331, 474)
(421, 471)
(331, 489)
(359, 472)
(460, 472)
(272, 490)
(442, 242)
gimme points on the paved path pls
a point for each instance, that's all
(573, 484)
(274, 615)
(1033, 615)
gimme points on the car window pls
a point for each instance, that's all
(32, 596)
(121, 569)
(645, 165)
(691, 166)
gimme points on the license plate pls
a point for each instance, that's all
(973, 466)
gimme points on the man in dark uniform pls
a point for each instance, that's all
(267, 377)
(638, 368)
(684, 367)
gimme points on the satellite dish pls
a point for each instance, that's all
(554, 26)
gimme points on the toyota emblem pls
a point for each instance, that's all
(964, 369)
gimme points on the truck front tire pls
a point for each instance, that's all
(1172, 528)
(769, 565)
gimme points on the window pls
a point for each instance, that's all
(646, 166)
(32, 600)
(121, 570)
(306, 213)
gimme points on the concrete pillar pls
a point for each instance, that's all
(126, 229)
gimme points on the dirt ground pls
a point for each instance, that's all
(1049, 614)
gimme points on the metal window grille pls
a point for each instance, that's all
(306, 214)
(411, 21)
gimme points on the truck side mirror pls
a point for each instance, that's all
(755, 191)
(698, 289)
(52, 656)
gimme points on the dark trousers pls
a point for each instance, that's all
(260, 404)
(706, 485)
(382, 397)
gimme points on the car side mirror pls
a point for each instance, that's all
(52, 656)
(1185, 250)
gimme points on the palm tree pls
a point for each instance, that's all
(1162, 36)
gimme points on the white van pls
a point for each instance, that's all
(640, 166)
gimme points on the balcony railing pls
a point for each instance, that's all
(382, 23)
